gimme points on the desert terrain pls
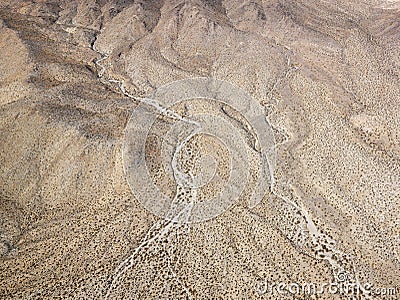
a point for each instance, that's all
(199, 149)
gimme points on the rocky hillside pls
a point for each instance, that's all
(325, 75)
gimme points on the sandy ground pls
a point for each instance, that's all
(279, 164)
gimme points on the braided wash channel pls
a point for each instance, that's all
(184, 129)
